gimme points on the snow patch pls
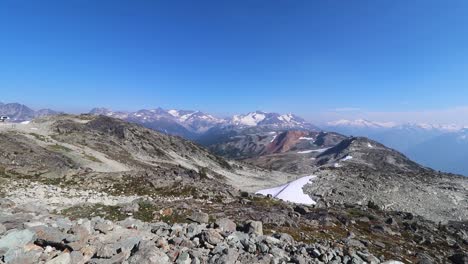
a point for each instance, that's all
(306, 138)
(370, 145)
(251, 119)
(347, 158)
(273, 139)
(312, 150)
(292, 191)
(25, 122)
(174, 113)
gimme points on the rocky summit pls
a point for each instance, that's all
(95, 189)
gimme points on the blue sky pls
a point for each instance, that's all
(312, 58)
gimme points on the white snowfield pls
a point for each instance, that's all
(312, 150)
(251, 119)
(347, 158)
(292, 191)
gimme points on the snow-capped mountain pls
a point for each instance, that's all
(361, 123)
(188, 123)
(260, 118)
(195, 120)
(366, 124)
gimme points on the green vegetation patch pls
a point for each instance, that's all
(39, 137)
(92, 158)
(59, 148)
(112, 213)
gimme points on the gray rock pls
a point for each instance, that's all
(131, 208)
(184, 258)
(254, 227)
(17, 239)
(64, 258)
(105, 251)
(6, 203)
(199, 217)
(103, 227)
(77, 257)
(23, 256)
(148, 253)
(2, 229)
(127, 244)
(226, 224)
(48, 235)
(64, 224)
(211, 236)
(285, 238)
(194, 229)
(230, 256)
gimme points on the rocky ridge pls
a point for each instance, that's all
(128, 181)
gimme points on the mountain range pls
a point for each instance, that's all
(243, 136)
(195, 124)
(105, 190)
(19, 112)
(442, 147)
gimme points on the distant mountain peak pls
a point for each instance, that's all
(18, 112)
(249, 119)
(361, 123)
(260, 118)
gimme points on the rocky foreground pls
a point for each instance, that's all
(28, 238)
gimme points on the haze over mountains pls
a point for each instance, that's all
(19, 112)
(361, 195)
(442, 147)
(194, 124)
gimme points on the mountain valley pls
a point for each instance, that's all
(141, 194)
(63, 168)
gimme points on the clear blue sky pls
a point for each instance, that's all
(235, 56)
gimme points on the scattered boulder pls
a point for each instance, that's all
(17, 239)
(211, 236)
(254, 227)
(64, 258)
(226, 224)
(148, 253)
(199, 217)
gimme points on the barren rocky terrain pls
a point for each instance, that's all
(87, 189)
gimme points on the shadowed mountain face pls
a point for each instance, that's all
(18, 112)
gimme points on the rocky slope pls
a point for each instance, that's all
(354, 170)
(94, 189)
(295, 151)
(362, 171)
(67, 145)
